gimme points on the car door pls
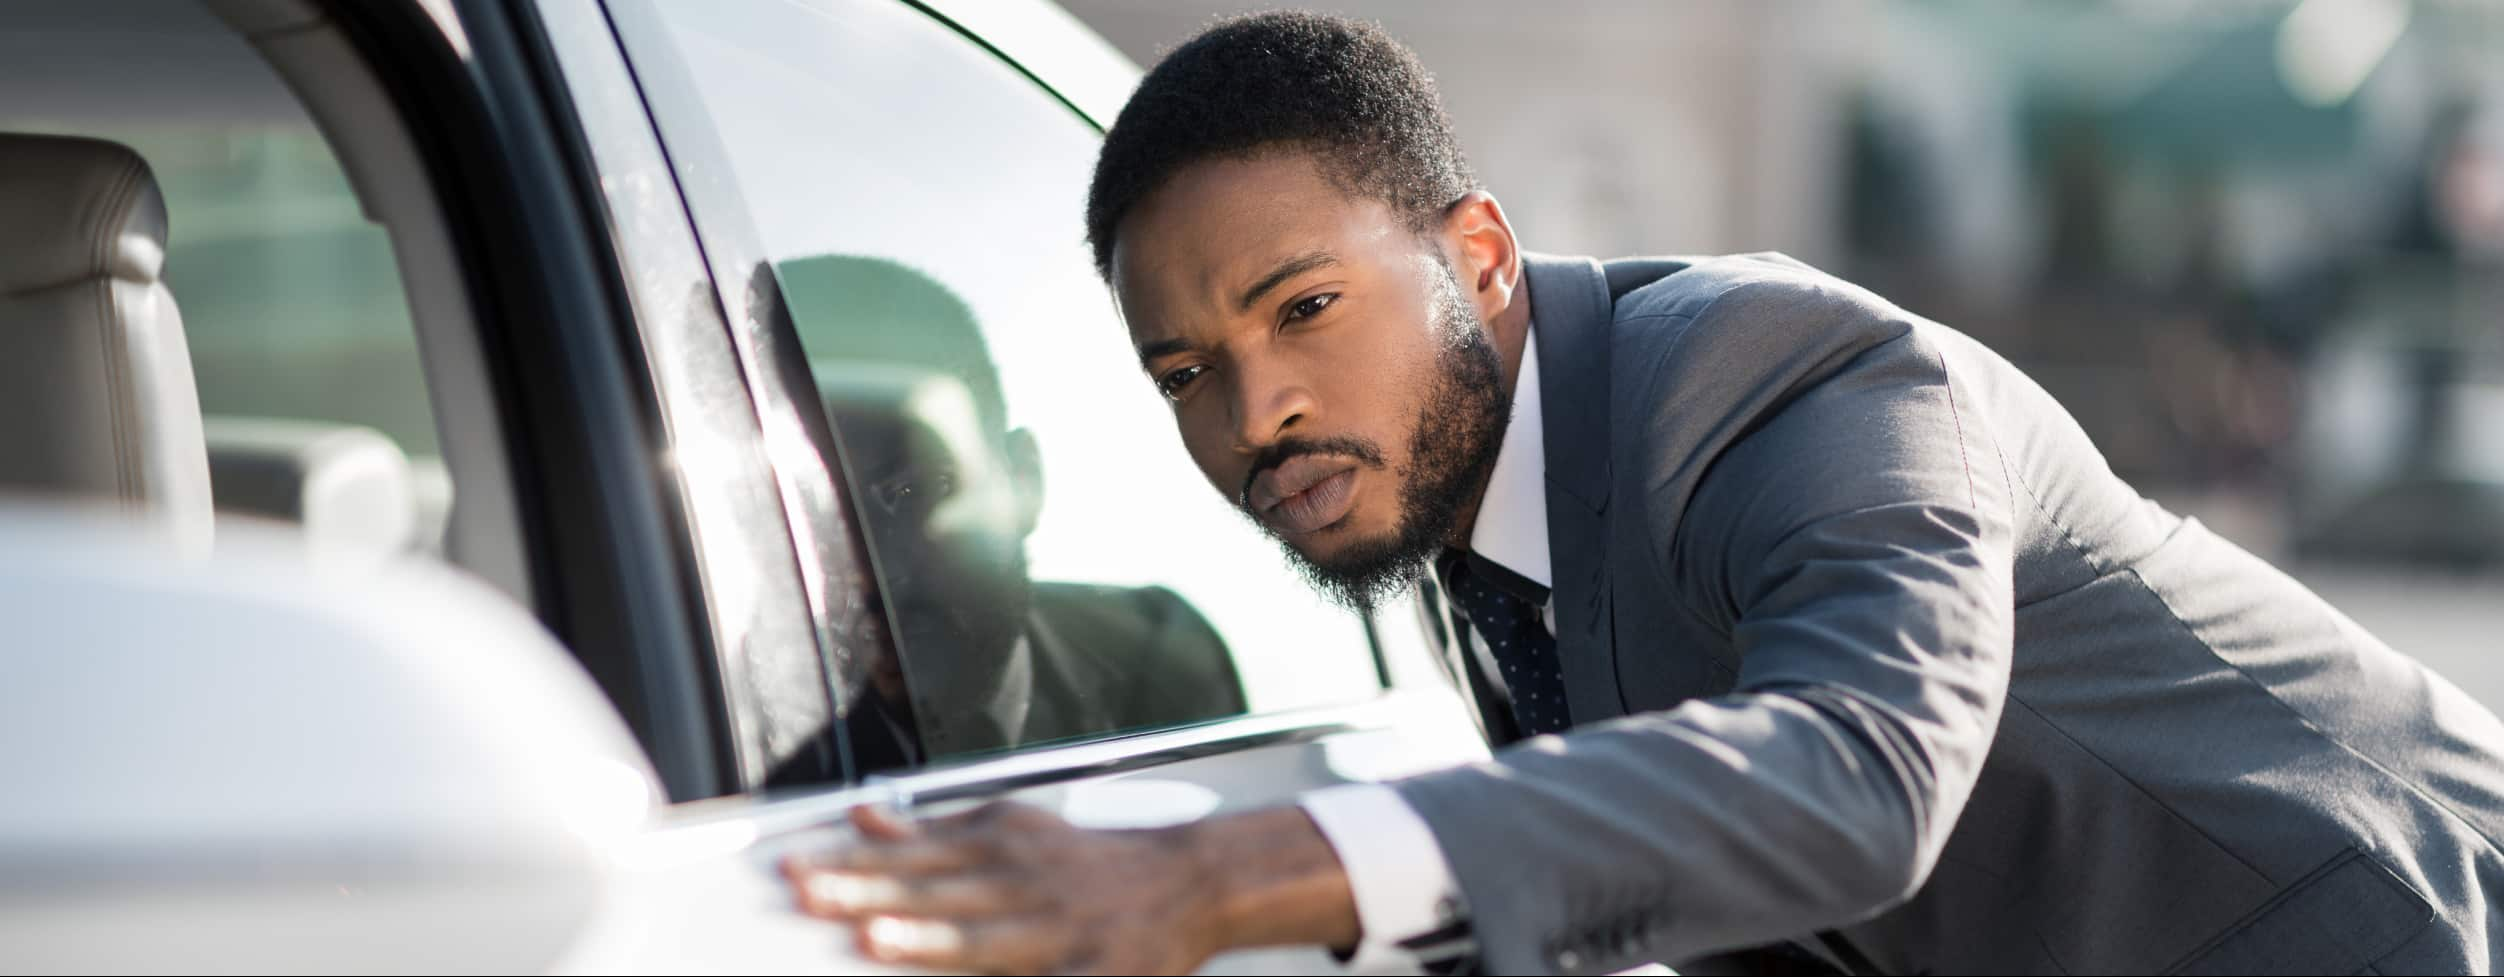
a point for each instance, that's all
(1017, 583)
(405, 176)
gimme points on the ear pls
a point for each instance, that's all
(1479, 242)
(1025, 462)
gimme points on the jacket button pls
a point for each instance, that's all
(1568, 959)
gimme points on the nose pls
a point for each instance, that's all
(1268, 399)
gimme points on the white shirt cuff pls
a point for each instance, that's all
(1403, 887)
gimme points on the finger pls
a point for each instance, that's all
(879, 823)
(1020, 944)
(919, 857)
(843, 895)
(994, 818)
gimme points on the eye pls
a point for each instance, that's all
(1311, 306)
(1175, 382)
(894, 490)
(898, 491)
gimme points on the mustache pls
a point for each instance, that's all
(1288, 448)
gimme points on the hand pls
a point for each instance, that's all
(1010, 888)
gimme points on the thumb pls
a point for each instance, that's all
(877, 822)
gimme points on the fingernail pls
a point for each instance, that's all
(889, 935)
(853, 891)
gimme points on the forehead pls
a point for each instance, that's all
(1191, 246)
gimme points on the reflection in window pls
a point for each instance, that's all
(949, 493)
(1052, 563)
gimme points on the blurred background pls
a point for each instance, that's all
(2256, 246)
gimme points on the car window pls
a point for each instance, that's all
(290, 297)
(1052, 564)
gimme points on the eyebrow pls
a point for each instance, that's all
(1148, 352)
(1286, 269)
(1318, 258)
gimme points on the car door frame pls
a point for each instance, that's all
(613, 566)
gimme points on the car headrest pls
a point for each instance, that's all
(96, 393)
(350, 487)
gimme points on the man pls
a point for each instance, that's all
(1833, 639)
(948, 492)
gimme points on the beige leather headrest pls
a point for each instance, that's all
(96, 394)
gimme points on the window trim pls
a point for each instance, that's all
(706, 384)
(608, 561)
(819, 502)
(976, 779)
(1044, 43)
(798, 442)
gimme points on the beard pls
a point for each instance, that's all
(1453, 440)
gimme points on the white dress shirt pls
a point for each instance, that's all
(1403, 886)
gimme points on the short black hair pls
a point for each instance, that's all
(1340, 89)
(867, 309)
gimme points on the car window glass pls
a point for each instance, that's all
(1053, 565)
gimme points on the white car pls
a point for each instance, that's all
(487, 478)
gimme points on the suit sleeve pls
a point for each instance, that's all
(1808, 488)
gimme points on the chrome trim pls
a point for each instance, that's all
(983, 777)
(1095, 759)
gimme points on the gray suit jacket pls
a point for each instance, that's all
(1861, 635)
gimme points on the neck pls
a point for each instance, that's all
(1509, 329)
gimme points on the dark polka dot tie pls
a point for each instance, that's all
(1519, 642)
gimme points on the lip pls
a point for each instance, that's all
(1290, 477)
(1317, 505)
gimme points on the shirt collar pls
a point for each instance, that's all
(1512, 526)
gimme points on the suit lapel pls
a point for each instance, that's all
(1570, 314)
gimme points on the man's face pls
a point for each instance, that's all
(948, 501)
(1327, 372)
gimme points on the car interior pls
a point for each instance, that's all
(90, 341)
(290, 261)
(227, 291)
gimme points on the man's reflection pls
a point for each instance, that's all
(947, 493)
